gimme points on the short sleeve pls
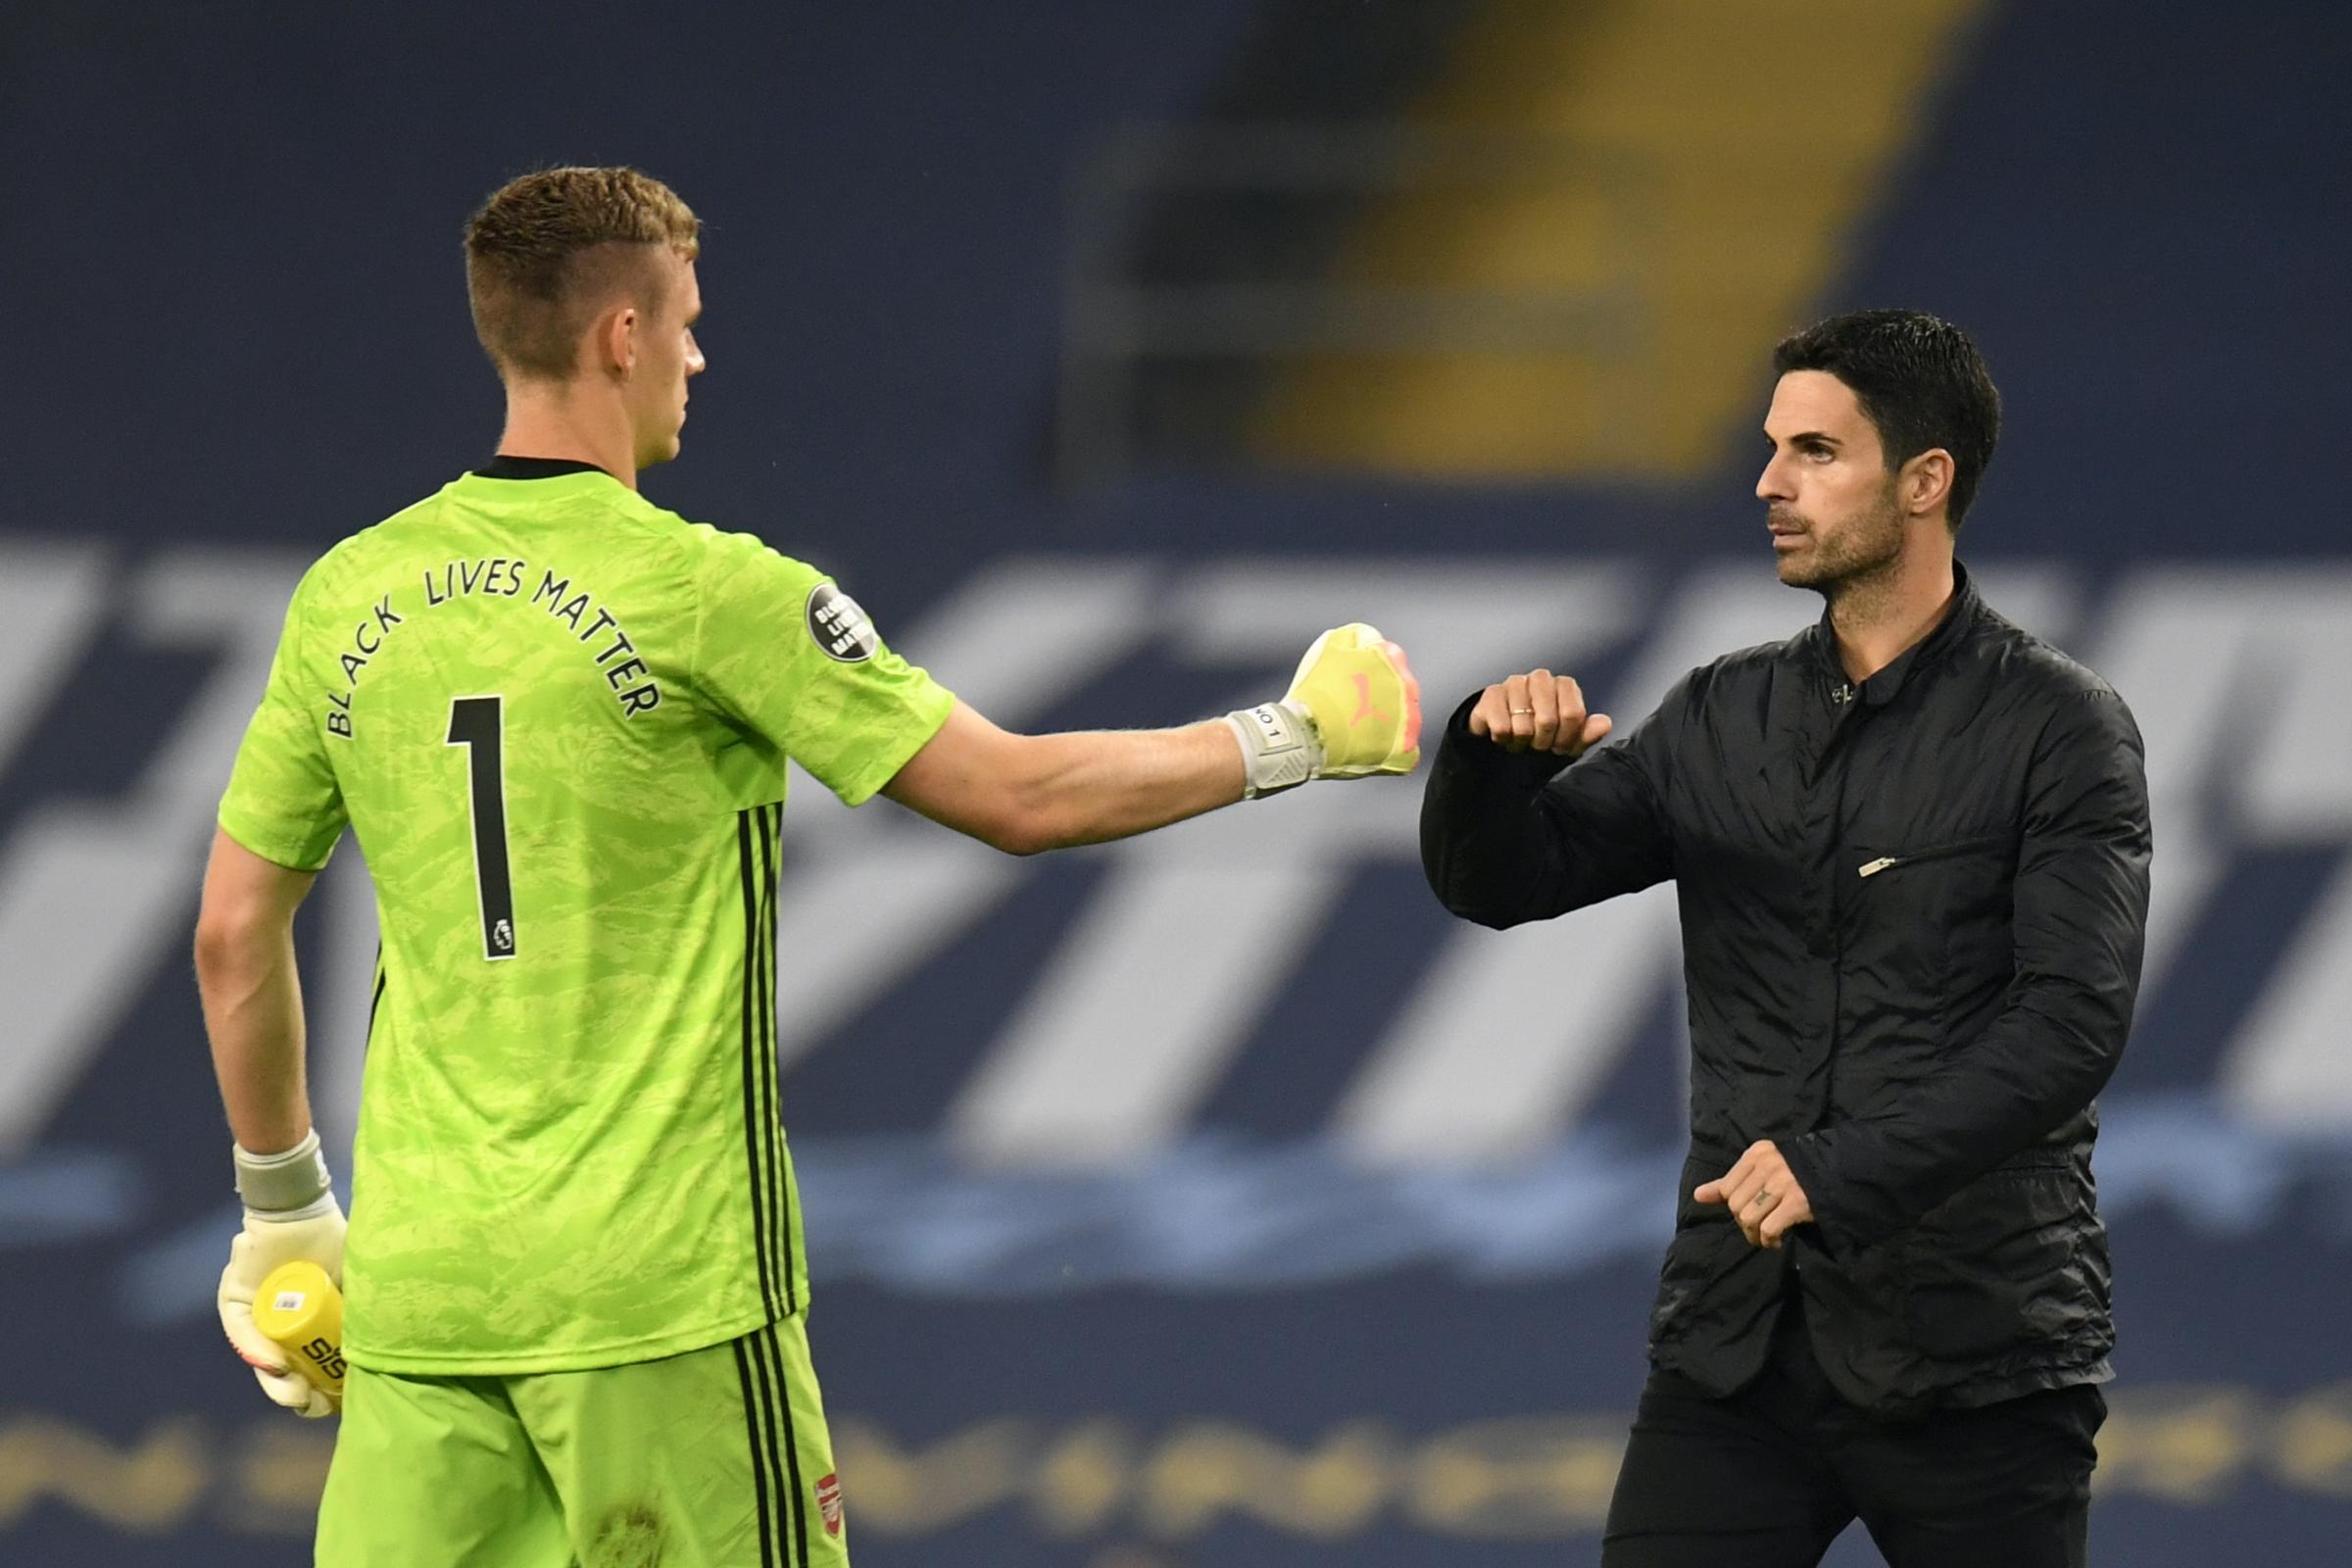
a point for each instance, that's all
(283, 802)
(781, 651)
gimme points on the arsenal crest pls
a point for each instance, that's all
(828, 1502)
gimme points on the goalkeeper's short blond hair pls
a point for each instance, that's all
(550, 250)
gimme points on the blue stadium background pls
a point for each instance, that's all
(1213, 1199)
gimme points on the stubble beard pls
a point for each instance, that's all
(1858, 561)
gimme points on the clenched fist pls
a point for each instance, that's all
(1537, 712)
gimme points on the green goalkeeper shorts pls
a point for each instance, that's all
(717, 1459)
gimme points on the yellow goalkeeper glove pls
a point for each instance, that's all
(1353, 709)
(290, 1214)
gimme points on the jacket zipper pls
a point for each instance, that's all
(1842, 731)
(1888, 863)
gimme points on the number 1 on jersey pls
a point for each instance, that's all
(478, 723)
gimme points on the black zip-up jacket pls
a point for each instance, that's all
(1912, 918)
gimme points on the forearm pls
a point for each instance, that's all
(2029, 1074)
(1510, 837)
(1353, 711)
(253, 1013)
(1092, 786)
(252, 997)
(1487, 850)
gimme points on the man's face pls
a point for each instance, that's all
(1829, 498)
(666, 355)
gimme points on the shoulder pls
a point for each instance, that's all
(746, 590)
(726, 555)
(2068, 697)
(705, 569)
(2030, 664)
(355, 556)
(358, 556)
(741, 580)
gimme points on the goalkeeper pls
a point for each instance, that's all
(557, 718)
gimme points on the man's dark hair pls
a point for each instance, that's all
(1920, 381)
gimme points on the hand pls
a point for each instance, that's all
(1365, 703)
(312, 1231)
(1537, 712)
(1762, 1193)
(1353, 709)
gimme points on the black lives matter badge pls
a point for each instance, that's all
(840, 627)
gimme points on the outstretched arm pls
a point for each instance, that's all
(1353, 709)
(1031, 793)
(1026, 792)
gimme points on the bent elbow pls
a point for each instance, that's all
(1021, 839)
(232, 932)
(1492, 917)
(1024, 815)
(210, 950)
(223, 943)
(1467, 903)
(1019, 828)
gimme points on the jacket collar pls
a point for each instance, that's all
(1880, 688)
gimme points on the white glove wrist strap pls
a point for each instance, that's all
(1279, 748)
(273, 1183)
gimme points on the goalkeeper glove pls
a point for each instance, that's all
(1353, 709)
(290, 1214)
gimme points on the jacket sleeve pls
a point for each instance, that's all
(1507, 837)
(2081, 911)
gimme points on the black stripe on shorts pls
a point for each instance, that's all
(792, 1456)
(782, 1456)
(762, 1457)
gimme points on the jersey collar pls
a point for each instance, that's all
(508, 466)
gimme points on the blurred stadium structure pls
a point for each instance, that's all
(1107, 352)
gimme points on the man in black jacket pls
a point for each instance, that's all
(1911, 848)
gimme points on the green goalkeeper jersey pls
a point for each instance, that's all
(556, 716)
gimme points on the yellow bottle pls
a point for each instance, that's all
(299, 1307)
